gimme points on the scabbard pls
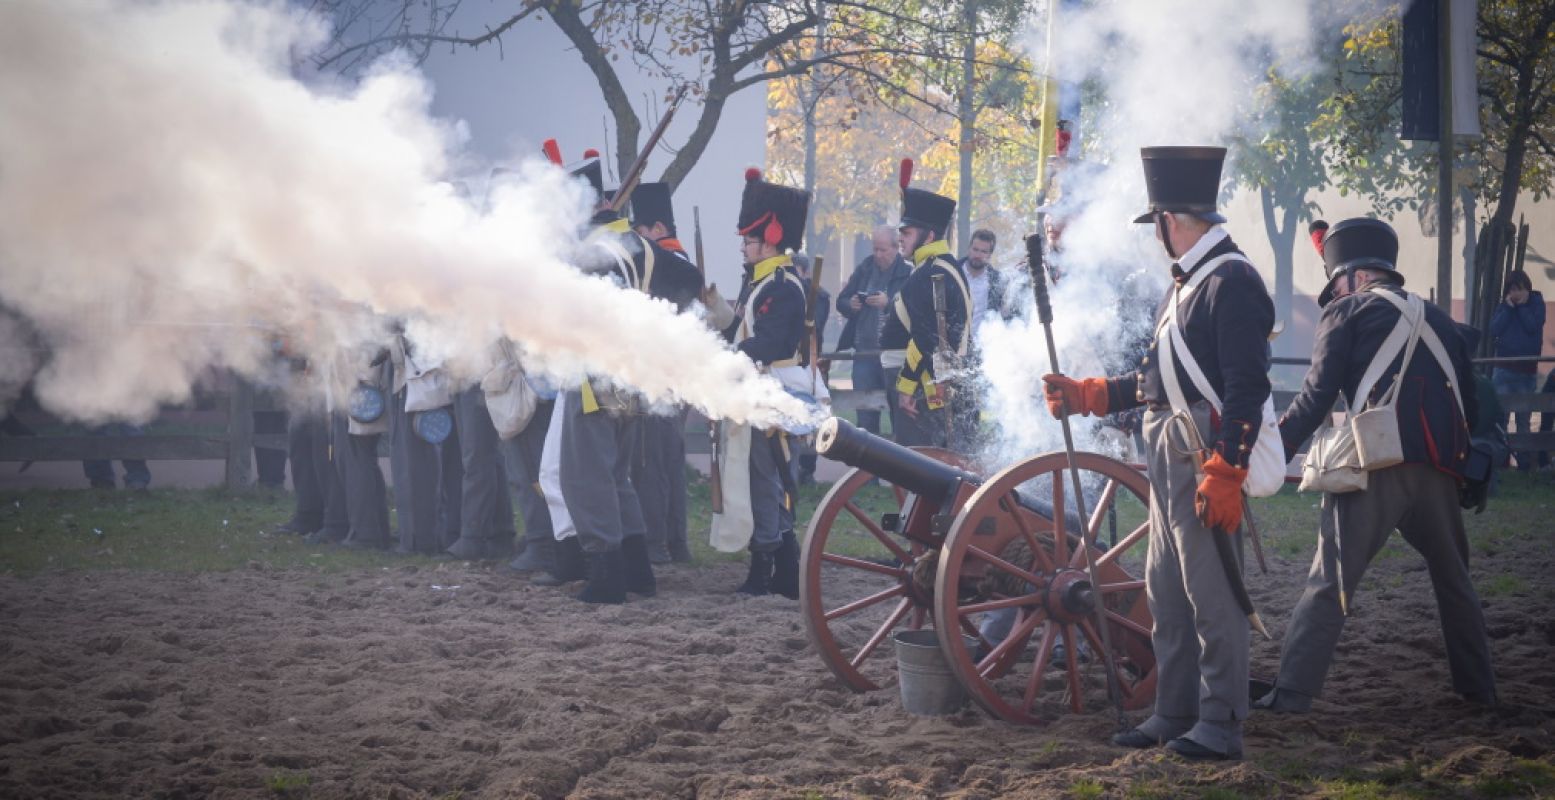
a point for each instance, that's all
(1233, 570)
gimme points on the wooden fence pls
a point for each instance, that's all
(235, 446)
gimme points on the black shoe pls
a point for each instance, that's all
(1136, 738)
(785, 568)
(468, 548)
(638, 570)
(680, 552)
(605, 581)
(659, 553)
(324, 536)
(1193, 751)
(569, 567)
(293, 526)
(1487, 699)
(758, 580)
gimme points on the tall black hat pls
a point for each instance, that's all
(588, 169)
(1183, 180)
(651, 203)
(921, 208)
(773, 212)
(1355, 244)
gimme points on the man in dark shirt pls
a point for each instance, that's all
(1225, 315)
(864, 302)
(1419, 497)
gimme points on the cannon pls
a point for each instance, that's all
(995, 564)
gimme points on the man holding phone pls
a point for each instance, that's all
(864, 302)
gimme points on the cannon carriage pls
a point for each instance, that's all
(994, 564)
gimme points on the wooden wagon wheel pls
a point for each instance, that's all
(1013, 551)
(856, 579)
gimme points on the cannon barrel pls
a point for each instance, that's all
(839, 440)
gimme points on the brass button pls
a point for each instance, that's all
(1139, 394)
(1243, 448)
(1247, 426)
(1145, 361)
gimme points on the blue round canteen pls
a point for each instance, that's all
(366, 404)
(434, 426)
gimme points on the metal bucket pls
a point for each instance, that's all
(929, 688)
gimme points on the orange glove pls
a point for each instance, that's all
(1088, 396)
(1219, 499)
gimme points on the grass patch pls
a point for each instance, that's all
(1527, 778)
(1086, 789)
(288, 784)
(1503, 585)
(177, 530)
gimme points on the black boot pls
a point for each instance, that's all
(606, 581)
(785, 567)
(569, 566)
(759, 579)
(638, 567)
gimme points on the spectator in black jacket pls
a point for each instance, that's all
(1518, 329)
(864, 302)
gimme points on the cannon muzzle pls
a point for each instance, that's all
(839, 440)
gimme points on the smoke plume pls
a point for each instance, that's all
(173, 199)
(1157, 72)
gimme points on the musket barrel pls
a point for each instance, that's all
(839, 440)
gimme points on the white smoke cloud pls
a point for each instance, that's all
(1163, 72)
(170, 193)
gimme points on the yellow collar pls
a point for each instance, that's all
(938, 247)
(621, 225)
(767, 266)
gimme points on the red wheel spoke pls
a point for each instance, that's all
(867, 566)
(1017, 638)
(996, 561)
(1096, 644)
(901, 494)
(1093, 527)
(1128, 623)
(874, 641)
(1039, 553)
(866, 602)
(995, 605)
(876, 531)
(1060, 521)
(1039, 666)
(1124, 544)
(1072, 655)
(1125, 586)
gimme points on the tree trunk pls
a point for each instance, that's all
(968, 118)
(1279, 223)
(1516, 148)
(565, 15)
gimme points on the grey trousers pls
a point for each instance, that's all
(486, 508)
(417, 470)
(1200, 634)
(307, 436)
(1422, 504)
(524, 457)
(659, 476)
(596, 466)
(771, 475)
(450, 489)
(366, 497)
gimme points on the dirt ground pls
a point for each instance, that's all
(461, 680)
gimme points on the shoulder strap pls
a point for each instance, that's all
(966, 296)
(1176, 346)
(1426, 334)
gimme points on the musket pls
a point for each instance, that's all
(715, 484)
(812, 343)
(635, 172)
(1035, 262)
(942, 328)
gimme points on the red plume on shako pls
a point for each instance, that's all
(923, 209)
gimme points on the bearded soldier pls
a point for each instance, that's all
(1435, 404)
(769, 324)
(599, 423)
(912, 338)
(1225, 315)
(659, 470)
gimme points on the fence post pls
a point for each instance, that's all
(240, 434)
